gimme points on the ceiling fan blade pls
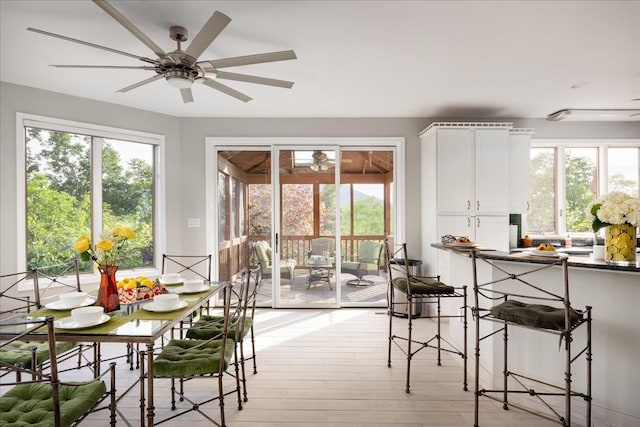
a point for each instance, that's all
(225, 89)
(253, 59)
(115, 14)
(207, 34)
(187, 95)
(123, 67)
(108, 49)
(141, 83)
(253, 79)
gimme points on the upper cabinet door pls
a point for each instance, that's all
(455, 171)
(519, 172)
(491, 172)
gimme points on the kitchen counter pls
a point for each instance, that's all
(614, 293)
(522, 256)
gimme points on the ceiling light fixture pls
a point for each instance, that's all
(179, 78)
(320, 162)
(595, 115)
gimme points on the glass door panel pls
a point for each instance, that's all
(366, 195)
(307, 228)
(245, 217)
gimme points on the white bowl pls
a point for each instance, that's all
(87, 315)
(193, 284)
(170, 277)
(166, 301)
(73, 299)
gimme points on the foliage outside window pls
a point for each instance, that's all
(327, 210)
(566, 177)
(297, 209)
(260, 210)
(223, 211)
(61, 188)
(368, 209)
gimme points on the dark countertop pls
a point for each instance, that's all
(520, 256)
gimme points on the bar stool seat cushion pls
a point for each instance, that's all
(423, 286)
(32, 404)
(19, 352)
(207, 327)
(536, 315)
(184, 358)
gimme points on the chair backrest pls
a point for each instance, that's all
(56, 279)
(12, 300)
(321, 245)
(191, 266)
(370, 252)
(263, 253)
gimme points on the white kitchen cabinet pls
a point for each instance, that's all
(473, 166)
(519, 170)
(465, 186)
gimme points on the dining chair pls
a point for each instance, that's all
(46, 399)
(205, 360)
(33, 290)
(421, 290)
(191, 266)
(209, 326)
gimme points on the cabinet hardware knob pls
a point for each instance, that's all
(528, 206)
(478, 221)
(468, 221)
(478, 204)
(468, 205)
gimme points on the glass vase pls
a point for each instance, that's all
(108, 291)
(620, 244)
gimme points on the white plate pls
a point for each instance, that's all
(152, 307)
(182, 290)
(462, 245)
(545, 254)
(180, 281)
(69, 323)
(59, 305)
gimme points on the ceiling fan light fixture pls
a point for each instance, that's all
(595, 114)
(179, 79)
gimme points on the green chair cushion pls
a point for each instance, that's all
(19, 352)
(423, 286)
(536, 315)
(208, 327)
(183, 358)
(32, 404)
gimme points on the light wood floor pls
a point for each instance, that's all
(328, 368)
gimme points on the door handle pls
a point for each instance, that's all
(277, 245)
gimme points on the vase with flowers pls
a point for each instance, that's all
(619, 214)
(105, 253)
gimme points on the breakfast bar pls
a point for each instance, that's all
(613, 292)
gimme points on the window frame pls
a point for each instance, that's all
(100, 132)
(560, 146)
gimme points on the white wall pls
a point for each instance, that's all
(185, 151)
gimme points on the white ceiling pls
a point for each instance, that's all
(476, 59)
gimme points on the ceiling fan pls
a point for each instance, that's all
(182, 68)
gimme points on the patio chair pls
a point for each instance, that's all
(322, 245)
(46, 400)
(264, 255)
(368, 262)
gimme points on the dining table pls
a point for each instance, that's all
(138, 323)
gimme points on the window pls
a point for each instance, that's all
(567, 175)
(84, 179)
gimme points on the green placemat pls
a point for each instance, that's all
(114, 323)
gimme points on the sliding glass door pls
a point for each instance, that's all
(315, 228)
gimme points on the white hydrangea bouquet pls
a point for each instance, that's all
(619, 214)
(613, 208)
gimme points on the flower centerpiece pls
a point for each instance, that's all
(105, 253)
(619, 213)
